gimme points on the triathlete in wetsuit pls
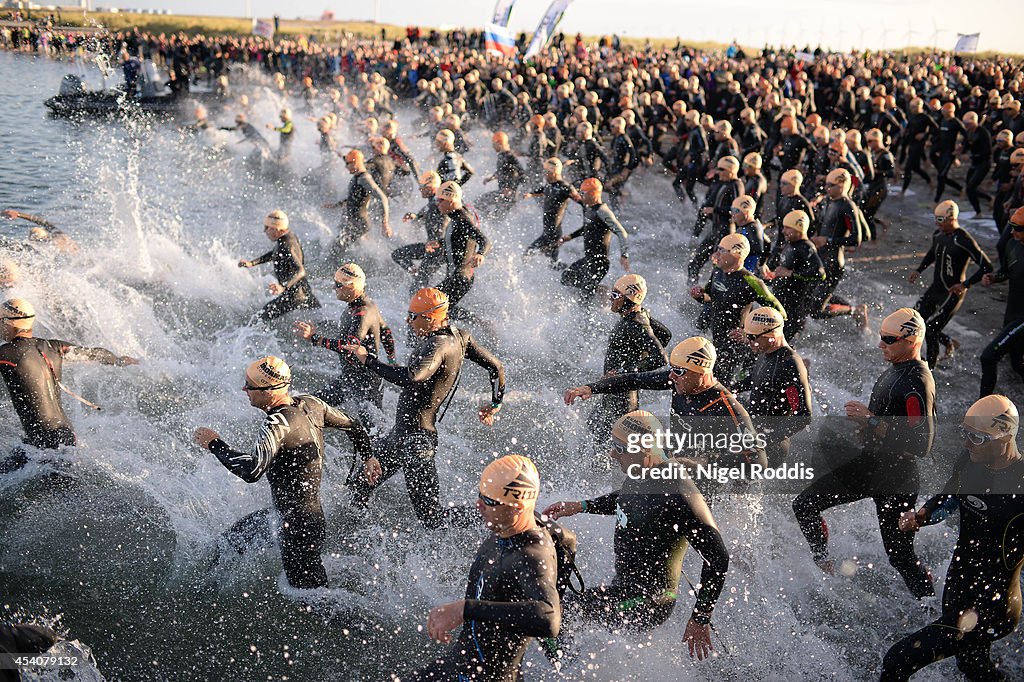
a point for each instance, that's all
(691, 158)
(953, 248)
(32, 369)
(655, 522)
(249, 133)
(877, 188)
(981, 601)
(755, 184)
(716, 211)
(452, 167)
(897, 427)
(1010, 338)
(636, 344)
(599, 224)
(290, 451)
(381, 166)
(840, 225)
(943, 152)
(465, 244)
(789, 199)
(920, 128)
(292, 287)
(509, 174)
(699, 402)
(356, 388)
(743, 209)
(430, 253)
(798, 271)
(361, 188)
(286, 131)
(556, 193)
(430, 379)
(511, 591)
(586, 160)
(780, 394)
(731, 289)
(978, 145)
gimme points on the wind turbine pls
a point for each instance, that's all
(910, 33)
(935, 34)
(885, 32)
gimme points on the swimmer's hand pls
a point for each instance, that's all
(357, 351)
(580, 392)
(245, 263)
(443, 619)
(432, 246)
(204, 436)
(910, 521)
(372, 470)
(303, 330)
(274, 289)
(488, 413)
(560, 510)
(697, 638)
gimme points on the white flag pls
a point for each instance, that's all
(502, 11)
(966, 42)
(546, 27)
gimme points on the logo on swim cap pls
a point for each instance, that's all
(695, 353)
(512, 479)
(521, 489)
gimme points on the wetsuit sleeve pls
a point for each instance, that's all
(968, 244)
(490, 362)
(467, 172)
(539, 613)
(377, 192)
(265, 258)
(613, 224)
(336, 419)
(709, 544)
(929, 257)
(648, 348)
(387, 339)
(604, 505)
(763, 294)
(100, 355)
(656, 380)
(295, 252)
(250, 466)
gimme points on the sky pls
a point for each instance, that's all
(840, 24)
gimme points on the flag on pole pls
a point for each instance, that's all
(498, 40)
(546, 27)
(502, 11)
(966, 42)
(262, 28)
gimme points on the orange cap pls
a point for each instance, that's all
(430, 303)
(511, 480)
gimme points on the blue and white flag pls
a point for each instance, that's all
(966, 42)
(546, 27)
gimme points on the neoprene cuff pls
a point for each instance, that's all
(700, 618)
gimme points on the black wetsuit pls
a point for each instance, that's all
(361, 188)
(719, 198)
(712, 411)
(510, 175)
(556, 198)
(589, 161)
(780, 399)
(462, 241)
(983, 580)
(784, 205)
(1010, 338)
(951, 253)
(32, 370)
(382, 169)
(842, 223)
(754, 232)
(903, 400)
(978, 144)
(453, 168)
(944, 152)
(655, 522)
(290, 450)
(756, 187)
(290, 271)
(795, 292)
(636, 344)
(436, 224)
(919, 124)
(692, 164)
(511, 598)
(599, 223)
(730, 293)
(357, 387)
(430, 379)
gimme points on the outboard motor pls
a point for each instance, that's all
(71, 85)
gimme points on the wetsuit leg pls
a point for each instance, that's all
(975, 176)
(417, 454)
(1010, 339)
(899, 546)
(302, 540)
(831, 490)
(456, 286)
(610, 606)
(390, 464)
(944, 164)
(941, 639)
(294, 299)
(937, 312)
(914, 158)
(827, 304)
(406, 256)
(586, 274)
